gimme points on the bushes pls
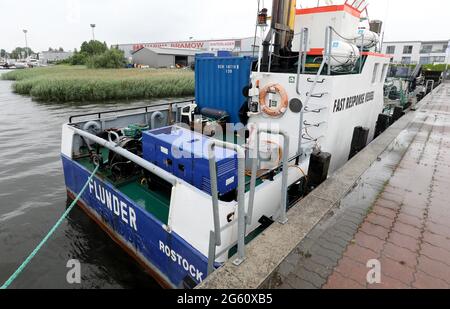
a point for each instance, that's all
(76, 83)
(110, 59)
(96, 55)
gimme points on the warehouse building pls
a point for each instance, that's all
(164, 57)
(418, 52)
(239, 47)
(46, 57)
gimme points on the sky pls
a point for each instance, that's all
(66, 23)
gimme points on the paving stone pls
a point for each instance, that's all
(344, 235)
(321, 270)
(438, 229)
(408, 230)
(411, 220)
(370, 242)
(297, 283)
(388, 283)
(404, 241)
(325, 252)
(434, 268)
(401, 255)
(437, 240)
(412, 211)
(436, 253)
(324, 261)
(374, 230)
(285, 269)
(336, 247)
(352, 269)
(379, 220)
(424, 281)
(310, 276)
(396, 270)
(337, 239)
(360, 254)
(337, 281)
(385, 212)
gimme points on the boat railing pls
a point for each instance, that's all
(113, 146)
(146, 109)
(215, 203)
(244, 219)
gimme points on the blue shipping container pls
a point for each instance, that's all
(204, 55)
(224, 53)
(219, 83)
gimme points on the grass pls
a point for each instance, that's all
(77, 83)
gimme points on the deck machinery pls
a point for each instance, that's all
(182, 211)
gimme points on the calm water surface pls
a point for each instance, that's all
(33, 197)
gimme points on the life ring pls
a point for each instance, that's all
(282, 106)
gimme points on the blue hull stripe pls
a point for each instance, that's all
(167, 252)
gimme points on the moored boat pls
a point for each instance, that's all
(183, 186)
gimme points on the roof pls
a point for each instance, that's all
(422, 42)
(171, 51)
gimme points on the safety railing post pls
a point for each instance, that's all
(285, 173)
(211, 252)
(241, 196)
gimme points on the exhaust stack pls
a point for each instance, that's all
(283, 20)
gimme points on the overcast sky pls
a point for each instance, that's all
(55, 23)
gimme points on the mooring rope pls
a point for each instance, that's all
(49, 234)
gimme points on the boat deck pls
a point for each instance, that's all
(155, 202)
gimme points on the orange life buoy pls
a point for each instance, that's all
(281, 107)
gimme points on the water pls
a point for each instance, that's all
(33, 197)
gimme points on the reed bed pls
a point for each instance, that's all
(77, 83)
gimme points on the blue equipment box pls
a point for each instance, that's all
(184, 153)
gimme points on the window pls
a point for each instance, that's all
(390, 50)
(438, 59)
(441, 48)
(383, 73)
(407, 49)
(375, 73)
(426, 49)
(406, 60)
(424, 60)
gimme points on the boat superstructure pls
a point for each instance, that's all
(183, 186)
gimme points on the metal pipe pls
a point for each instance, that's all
(241, 194)
(300, 63)
(251, 199)
(153, 118)
(211, 252)
(126, 154)
(214, 194)
(329, 44)
(282, 218)
(306, 39)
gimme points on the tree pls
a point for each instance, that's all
(92, 48)
(21, 52)
(61, 49)
(50, 49)
(3, 53)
